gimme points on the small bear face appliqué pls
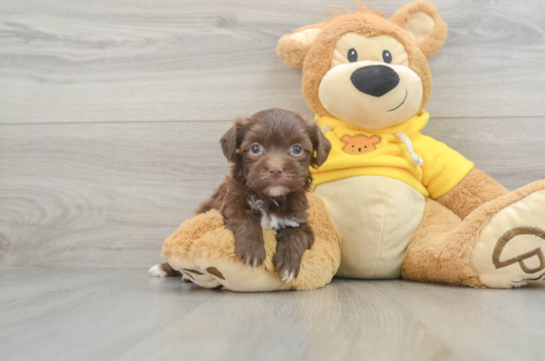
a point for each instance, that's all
(359, 144)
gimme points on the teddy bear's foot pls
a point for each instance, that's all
(203, 250)
(230, 274)
(510, 249)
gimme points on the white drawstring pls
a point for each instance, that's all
(415, 158)
(326, 128)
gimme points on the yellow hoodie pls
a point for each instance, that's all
(357, 151)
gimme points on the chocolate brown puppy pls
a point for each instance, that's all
(271, 154)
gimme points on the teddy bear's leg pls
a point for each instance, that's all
(499, 245)
(432, 254)
(203, 250)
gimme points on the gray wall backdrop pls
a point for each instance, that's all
(111, 110)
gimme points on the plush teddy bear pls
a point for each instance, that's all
(407, 205)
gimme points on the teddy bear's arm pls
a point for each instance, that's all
(474, 190)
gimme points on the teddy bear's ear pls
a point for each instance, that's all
(293, 48)
(422, 21)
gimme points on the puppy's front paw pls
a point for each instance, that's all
(287, 263)
(252, 253)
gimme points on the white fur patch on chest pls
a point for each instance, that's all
(271, 221)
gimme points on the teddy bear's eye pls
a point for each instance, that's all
(386, 56)
(352, 55)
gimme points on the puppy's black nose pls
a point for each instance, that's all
(375, 80)
(276, 172)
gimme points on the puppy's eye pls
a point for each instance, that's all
(256, 149)
(386, 56)
(296, 150)
(352, 55)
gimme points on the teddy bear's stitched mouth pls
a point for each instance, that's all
(406, 93)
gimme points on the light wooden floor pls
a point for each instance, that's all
(110, 116)
(115, 314)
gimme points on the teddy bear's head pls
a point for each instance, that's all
(364, 69)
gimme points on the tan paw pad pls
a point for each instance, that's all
(214, 271)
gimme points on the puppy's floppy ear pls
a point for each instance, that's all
(232, 140)
(320, 144)
(424, 24)
(293, 48)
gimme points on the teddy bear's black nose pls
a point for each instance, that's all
(375, 80)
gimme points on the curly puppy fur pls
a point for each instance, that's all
(271, 154)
